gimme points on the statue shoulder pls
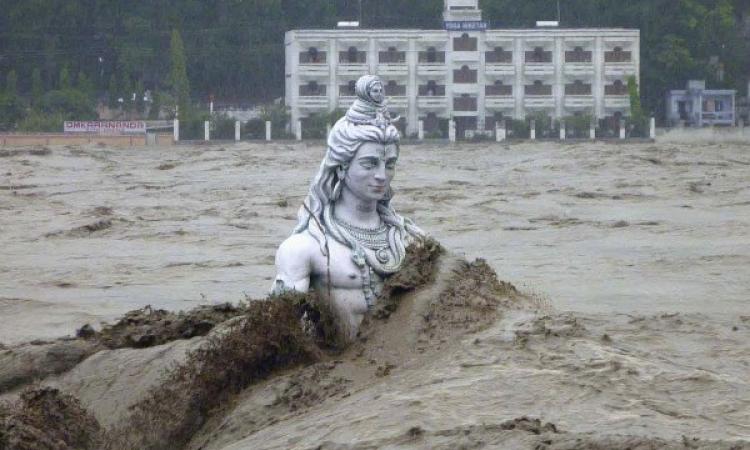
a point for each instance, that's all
(297, 247)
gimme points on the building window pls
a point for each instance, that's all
(352, 56)
(538, 88)
(577, 88)
(392, 56)
(465, 103)
(465, 75)
(578, 55)
(312, 89)
(312, 56)
(393, 89)
(431, 55)
(538, 55)
(465, 43)
(617, 55)
(719, 105)
(348, 90)
(616, 88)
(432, 89)
(498, 55)
(498, 89)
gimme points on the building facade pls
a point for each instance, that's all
(698, 106)
(465, 72)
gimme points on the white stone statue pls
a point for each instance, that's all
(348, 238)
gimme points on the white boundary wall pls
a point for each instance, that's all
(690, 135)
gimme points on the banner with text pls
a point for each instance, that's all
(458, 25)
(105, 126)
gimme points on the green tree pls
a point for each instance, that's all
(178, 80)
(139, 91)
(85, 85)
(37, 86)
(64, 82)
(11, 83)
(638, 120)
(112, 92)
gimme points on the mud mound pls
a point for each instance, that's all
(471, 301)
(23, 364)
(47, 419)
(268, 337)
(418, 269)
(147, 327)
(525, 433)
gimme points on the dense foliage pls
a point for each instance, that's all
(234, 49)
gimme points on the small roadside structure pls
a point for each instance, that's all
(697, 106)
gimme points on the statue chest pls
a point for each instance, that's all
(344, 273)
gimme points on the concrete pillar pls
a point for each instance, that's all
(420, 130)
(592, 131)
(268, 130)
(562, 130)
(452, 130)
(176, 130)
(532, 130)
(652, 128)
(211, 107)
(237, 130)
(206, 131)
(298, 130)
(499, 131)
(622, 129)
(412, 115)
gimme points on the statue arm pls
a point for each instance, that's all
(293, 265)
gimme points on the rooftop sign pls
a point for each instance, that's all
(465, 25)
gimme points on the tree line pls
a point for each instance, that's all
(103, 50)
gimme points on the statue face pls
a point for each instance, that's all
(371, 170)
(376, 92)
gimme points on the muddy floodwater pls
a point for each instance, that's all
(89, 233)
(628, 326)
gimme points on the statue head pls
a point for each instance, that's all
(366, 121)
(370, 87)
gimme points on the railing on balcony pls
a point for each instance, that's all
(312, 58)
(537, 89)
(498, 90)
(429, 57)
(578, 56)
(465, 104)
(312, 90)
(392, 57)
(465, 44)
(616, 89)
(464, 75)
(617, 56)
(538, 56)
(498, 56)
(428, 90)
(394, 90)
(577, 88)
(352, 57)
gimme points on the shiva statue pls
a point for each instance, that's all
(348, 238)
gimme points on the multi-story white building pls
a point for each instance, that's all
(465, 72)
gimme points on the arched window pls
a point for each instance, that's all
(312, 52)
(431, 55)
(351, 55)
